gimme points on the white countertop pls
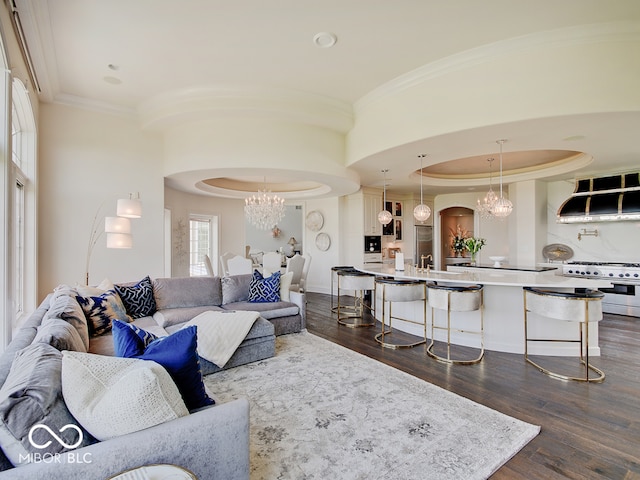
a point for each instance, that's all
(487, 276)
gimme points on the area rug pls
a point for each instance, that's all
(321, 411)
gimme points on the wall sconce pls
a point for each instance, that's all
(118, 229)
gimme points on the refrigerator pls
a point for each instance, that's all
(424, 243)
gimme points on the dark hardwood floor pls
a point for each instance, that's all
(589, 431)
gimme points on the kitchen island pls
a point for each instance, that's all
(503, 307)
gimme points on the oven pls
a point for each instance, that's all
(623, 298)
(372, 249)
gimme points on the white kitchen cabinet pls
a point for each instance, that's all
(372, 205)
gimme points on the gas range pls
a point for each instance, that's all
(622, 272)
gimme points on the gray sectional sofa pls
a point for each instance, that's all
(212, 442)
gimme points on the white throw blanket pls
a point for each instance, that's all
(220, 333)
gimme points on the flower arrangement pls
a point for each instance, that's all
(474, 244)
(458, 237)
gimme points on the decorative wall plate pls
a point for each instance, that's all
(323, 242)
(314, 221)
(557, 251)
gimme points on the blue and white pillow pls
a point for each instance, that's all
(138, 299)
(263, 290)
(101, 310)
(177, 353)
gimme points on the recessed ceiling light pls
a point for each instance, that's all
(324, 40)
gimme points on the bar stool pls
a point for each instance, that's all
(455, 299)
(394, 290)
(334, 275)
(582, 308)
(358, 282)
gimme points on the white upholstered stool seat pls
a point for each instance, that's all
(582, 308)
(394, 291)
(455, 299)
(334, 277)
(359, 283)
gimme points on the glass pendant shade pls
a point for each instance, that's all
(503, 207)
(421, 212)
(385, 217)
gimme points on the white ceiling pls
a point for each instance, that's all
(118, 54)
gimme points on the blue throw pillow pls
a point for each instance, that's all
(262, 290)
(101, 310)
(177, 353)
(138, 299)
(130, 341)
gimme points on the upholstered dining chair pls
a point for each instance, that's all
(224, 258)
(295, 264)
(208, 265)
(271, 262)
(305, 271)
(239, 265)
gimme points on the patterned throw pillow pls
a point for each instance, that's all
(101, 310)
(138, 299)
(263, 290)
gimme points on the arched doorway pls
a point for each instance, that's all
(452, 220)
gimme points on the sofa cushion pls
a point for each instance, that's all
(267, 310)
(32, 394)
(174, 316)
(63, 304)
(101, 310)
(235, 288)
(138, 298)
(112, 396)
(186, 292)
(177, 353)
(264, 290)
(60, 334)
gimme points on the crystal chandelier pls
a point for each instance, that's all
(264, 209)
(503, 206)
(384, 216)
(486, 206)
(422, 211)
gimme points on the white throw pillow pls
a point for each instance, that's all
(285, 285)
(112, 396)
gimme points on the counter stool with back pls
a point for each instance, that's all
(582, 308)
(358, 282)
(394, 291)
(455, 299)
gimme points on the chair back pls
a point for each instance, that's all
(239, 265)
(305, 271)
(224, 258)
(208, 265)
(295, 264)
(271, 262)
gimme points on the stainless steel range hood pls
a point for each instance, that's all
(604, 199)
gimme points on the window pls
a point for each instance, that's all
(18, 251)
(200, 236)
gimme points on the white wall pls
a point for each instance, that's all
(231, 225)
(319, 276)
(88, 158)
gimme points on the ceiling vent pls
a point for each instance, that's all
(604, 199)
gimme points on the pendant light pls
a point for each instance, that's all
(486, 206)
(503, 206)
(422, 211)
(384, 216)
